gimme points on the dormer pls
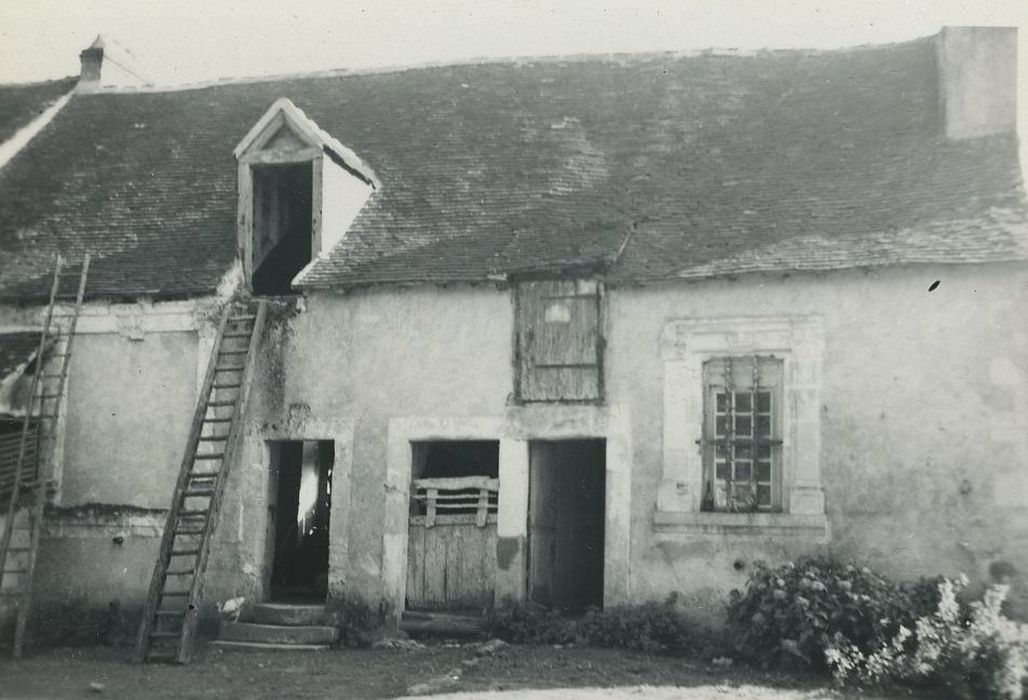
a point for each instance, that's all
(299, 191)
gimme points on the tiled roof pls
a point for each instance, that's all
(16, 349)
(20, 104)
(650, 167)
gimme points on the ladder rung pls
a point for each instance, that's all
(165, 635)
(213, 438)
(233, 352)
(231, 368)
(236, 335)
(180, 572)
(217, 420)
(210, 457)
(44, 397)
(190, 532)
(225, 386)
(197, 476)
(184, 552)
(192, 513)
(244, 317)
(50, 376)
(226, 402)
(206, 493)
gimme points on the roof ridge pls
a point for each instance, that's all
(617, 56)
(39, 83)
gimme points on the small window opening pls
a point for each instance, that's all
(282, 225)
(455, 477)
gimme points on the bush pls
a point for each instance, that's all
(649, 627)
(529, 623)
(791, 614)
(975, 652)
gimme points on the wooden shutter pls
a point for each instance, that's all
(560, 348)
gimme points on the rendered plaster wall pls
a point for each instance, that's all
(130, 403)
(923, 424)
(129, 400)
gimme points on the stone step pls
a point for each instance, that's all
(418, 623)
(277, 634)
(263, 646)
(287, 614)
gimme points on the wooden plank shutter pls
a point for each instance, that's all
(560, 351)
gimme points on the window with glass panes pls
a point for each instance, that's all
(742, 434)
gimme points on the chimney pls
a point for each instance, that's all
(978, 80)
(105, 64)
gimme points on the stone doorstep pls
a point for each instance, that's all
(423, 623)
(265, 646)
(287, 614)
(278, 634)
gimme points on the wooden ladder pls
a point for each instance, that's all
(27, 486)
(167, 629)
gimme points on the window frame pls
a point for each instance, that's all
(710, 439)
(686, 343)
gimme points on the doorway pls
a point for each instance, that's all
(566, 518)
(299, 507)
(282, 225)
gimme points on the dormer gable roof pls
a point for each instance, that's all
(285, 127)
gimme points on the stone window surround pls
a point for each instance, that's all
(514, 431)
(686, 344)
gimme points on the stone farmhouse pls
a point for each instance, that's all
(581, 331)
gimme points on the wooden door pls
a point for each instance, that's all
(451, 546)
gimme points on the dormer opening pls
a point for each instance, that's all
(283, 240)
(299, 191)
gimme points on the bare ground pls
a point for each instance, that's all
(378, 673)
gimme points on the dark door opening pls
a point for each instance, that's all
(566, 515)
(282, 225)
(301, 489)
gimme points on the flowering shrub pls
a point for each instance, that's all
(791, 614)
(976, 653)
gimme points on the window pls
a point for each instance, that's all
(742, 434)
(742, 426)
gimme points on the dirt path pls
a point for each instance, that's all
(510, 673)
(644, 692)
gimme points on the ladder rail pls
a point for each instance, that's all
(42, 480)
(12, 506)
(168, 537)
(228, 455)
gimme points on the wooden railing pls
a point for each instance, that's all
(477, 495)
